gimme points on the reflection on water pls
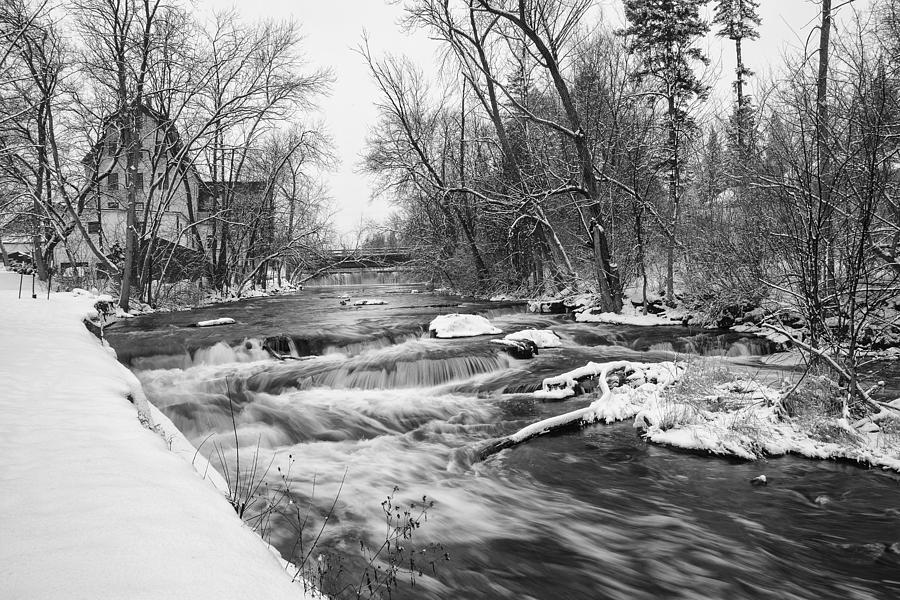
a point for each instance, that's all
(592, 514)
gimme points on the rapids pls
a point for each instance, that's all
(365, 401)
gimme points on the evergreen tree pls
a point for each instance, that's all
(737, 21)
(662, 33)
(711, 172)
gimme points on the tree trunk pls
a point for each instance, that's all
(132, 140)
(37, 233)
(674, 200)
(739, 88)
(822, 149)
(3, 255)
(642, 261)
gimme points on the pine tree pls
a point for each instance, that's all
(711, 176)
(738, 20)
(662, 33)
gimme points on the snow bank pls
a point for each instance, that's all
(748, 424)
(216, 322)
(623, 319)
(741, 418)
(456, 325)
(543, 338)
(95, 504)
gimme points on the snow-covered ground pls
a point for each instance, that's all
(625, 318)
(632, 312)
(95, 504)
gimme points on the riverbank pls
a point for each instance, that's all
(97, 503)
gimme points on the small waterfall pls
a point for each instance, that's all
(249, 350)
(361, 347)
(416, 363)
(424, 372)
(283, 345)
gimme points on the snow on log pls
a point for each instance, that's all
(216, 322)
(457, 325)
(543, 338)
(643, 382)
(368, 302)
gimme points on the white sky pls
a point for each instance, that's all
(332, 28)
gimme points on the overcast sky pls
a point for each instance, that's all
(332, 28)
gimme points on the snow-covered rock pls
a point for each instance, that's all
(368, 302)
(216, 322)
(521, 349)
(457, 325)
(553, 307)
(542, 338)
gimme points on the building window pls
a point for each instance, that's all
(139, 207)
(112, 204)
(112, 182)
(138, 181)
(94, 227)
(204, 202)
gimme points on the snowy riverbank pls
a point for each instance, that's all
(95, 503)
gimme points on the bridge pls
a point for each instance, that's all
(342, 259)
(341, 266)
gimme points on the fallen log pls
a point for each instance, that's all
(640, 379)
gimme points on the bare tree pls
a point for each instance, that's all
(825, 230)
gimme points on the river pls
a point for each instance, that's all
(596, 513)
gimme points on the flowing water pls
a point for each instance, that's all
(366, 402)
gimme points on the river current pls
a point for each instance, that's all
(365, 402)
